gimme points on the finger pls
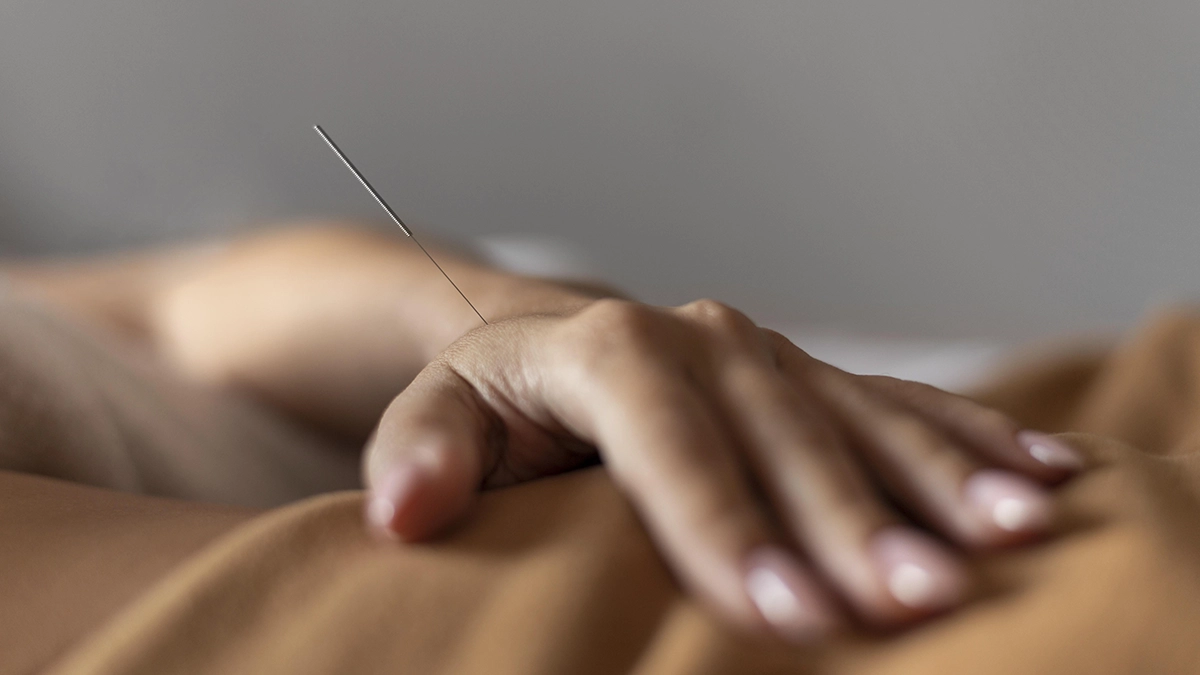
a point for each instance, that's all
(815, 484)
(890, 573)
(991, 433)
(828, 505)
(791, 599)
(663, 445)
(940, 482)
(427, 458)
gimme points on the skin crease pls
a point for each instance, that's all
(760, 472)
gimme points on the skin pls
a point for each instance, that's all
(790, 496)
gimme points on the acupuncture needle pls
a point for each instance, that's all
(403, 228)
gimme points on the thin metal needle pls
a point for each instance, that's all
(403, 228)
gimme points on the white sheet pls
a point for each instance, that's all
(954, 365)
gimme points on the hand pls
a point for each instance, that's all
(764, 475)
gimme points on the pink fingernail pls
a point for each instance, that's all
(389, 497)
(1008, 501)
(1049, 450)
(787, 597)
(918, 571)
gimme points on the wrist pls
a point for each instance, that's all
(502, 296)
(522, 296)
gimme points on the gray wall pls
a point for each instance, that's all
(959, 167)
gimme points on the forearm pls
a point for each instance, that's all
(331, 323)
(327, 322)
(113, 292)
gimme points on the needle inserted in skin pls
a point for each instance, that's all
(403, 228)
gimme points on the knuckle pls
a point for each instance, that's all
(888, 383)
(723, 515)
(714, 312)
(722, 318)
(835, 504)
(922, 444)
(906, 431)
(779, 346)
(775, 340)
(835, 494)
(840, 496)
(605, 333)
(716, 509)
(621, 321)
(996, 423)
(708, 307)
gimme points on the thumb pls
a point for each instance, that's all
(425, 462)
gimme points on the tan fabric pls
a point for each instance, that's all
(557, 576)
(71, 556)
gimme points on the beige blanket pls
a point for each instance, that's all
(554, 576)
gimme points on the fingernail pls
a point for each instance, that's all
(1008, 501)
(919, 573)
(389, 497)
(787, 597)
(1049, 450)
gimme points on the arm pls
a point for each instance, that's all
(325, 322)
(771, 481)
(329, 323)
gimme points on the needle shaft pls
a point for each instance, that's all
(403, 228)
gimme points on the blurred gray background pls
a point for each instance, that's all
(955, 168)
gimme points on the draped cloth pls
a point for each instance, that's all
(557, 576)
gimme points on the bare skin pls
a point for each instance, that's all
(790, 496)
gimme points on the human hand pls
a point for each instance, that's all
(773, 483)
